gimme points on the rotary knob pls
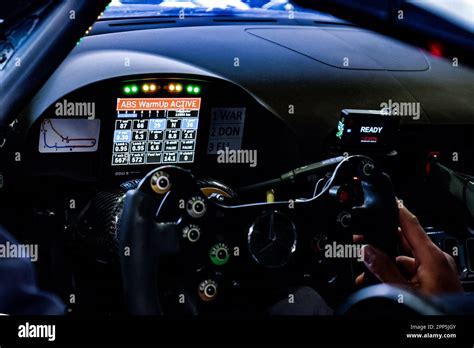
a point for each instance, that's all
(192, 233)
(219, 254)
(344, 219)
(160, 182)
(196, 207)
(207, 290)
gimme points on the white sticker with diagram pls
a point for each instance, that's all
(226, 130)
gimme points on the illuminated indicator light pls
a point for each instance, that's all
(127, 90)
(340, 128)
(172, 88)
(196, 90)
(146, 88)
(152, 88)
(134, 89)
(436, 49)
(190, 89)
(179, 88)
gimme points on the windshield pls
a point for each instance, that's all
(197, 8)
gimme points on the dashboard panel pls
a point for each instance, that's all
(120, 129)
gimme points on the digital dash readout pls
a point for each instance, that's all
(155, 130)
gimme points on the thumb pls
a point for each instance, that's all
(381, 266)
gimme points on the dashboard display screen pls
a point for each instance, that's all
(69, 135)
(367, 129)
(155, 130)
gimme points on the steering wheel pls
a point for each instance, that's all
(167, 216)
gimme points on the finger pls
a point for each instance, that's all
(451, 261)
(381, 266)
(403, 241)
(360, 279)
(408, 264)
(419, 242)
(358, 238)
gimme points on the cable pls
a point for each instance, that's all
(316, 187)
(291, 175)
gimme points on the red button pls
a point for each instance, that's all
(343, 196)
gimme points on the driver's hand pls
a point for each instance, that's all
(426, 268)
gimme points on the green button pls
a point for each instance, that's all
(219, 254)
